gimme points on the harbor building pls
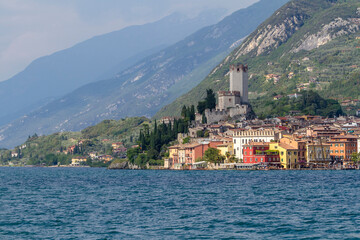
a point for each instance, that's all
(243, 137)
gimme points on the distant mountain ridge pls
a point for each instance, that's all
(50, 77)
(146, 86)
(305, 45)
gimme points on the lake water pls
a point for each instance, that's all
(85, 203)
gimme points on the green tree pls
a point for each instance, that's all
(210, 99)
(132, 154)
(213, 155)
(183, 111)
(141, 160)
(203, 119)
(186, 140)
(201, 107)
(355, 157)
(192, 113)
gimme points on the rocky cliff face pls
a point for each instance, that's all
(271, 36)
(336, 28)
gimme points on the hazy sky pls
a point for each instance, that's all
(33, 28)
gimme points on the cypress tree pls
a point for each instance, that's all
(192, 113)
(183, 111)
(210, 99)
(203, 120)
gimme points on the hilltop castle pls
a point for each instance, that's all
(234, 103)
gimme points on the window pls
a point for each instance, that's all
(262, 159)
(336, 151)
(234, 140)
(341, 145)
(341, 151)
(234, 151)
(336, 145)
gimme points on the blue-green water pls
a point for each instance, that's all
(84, 203)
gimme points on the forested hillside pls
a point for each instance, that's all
(306, 45)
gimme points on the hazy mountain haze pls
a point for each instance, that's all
(52, 76)
(34, 28)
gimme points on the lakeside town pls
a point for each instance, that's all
(292, 142)
(223, 134)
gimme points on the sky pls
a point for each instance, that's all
(33, 28)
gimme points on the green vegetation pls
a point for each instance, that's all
(355, 157)
(332, 69)
(208, 103)
(153, 144)
(213, 155)
(310, 103)
(54, 149)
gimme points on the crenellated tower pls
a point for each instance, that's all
(239, 81)
(232, 104)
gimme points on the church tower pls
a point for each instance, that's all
(239, 81)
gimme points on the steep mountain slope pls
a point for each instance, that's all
(52, 76)
(147, 86)
(307, 44)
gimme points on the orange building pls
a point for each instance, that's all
(342, 146)
(194, 151)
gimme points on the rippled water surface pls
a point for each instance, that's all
(84, 203)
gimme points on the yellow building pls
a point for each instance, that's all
(77, 160)
(176, 156)
(288, 154)
(226, 149)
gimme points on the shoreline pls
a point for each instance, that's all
(159, 169)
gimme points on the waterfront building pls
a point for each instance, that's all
(288, 154)
(342, 146)
(187, 154)
(242, 137)
(76, 161)
(298, 144)
(318, 153)
(226, 149)
(258, 152)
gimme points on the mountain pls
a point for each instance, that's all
(147, 86)
(305, 45)
(50, 77)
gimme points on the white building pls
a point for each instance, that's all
(243, 137)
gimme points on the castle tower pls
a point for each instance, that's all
(239, 81)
